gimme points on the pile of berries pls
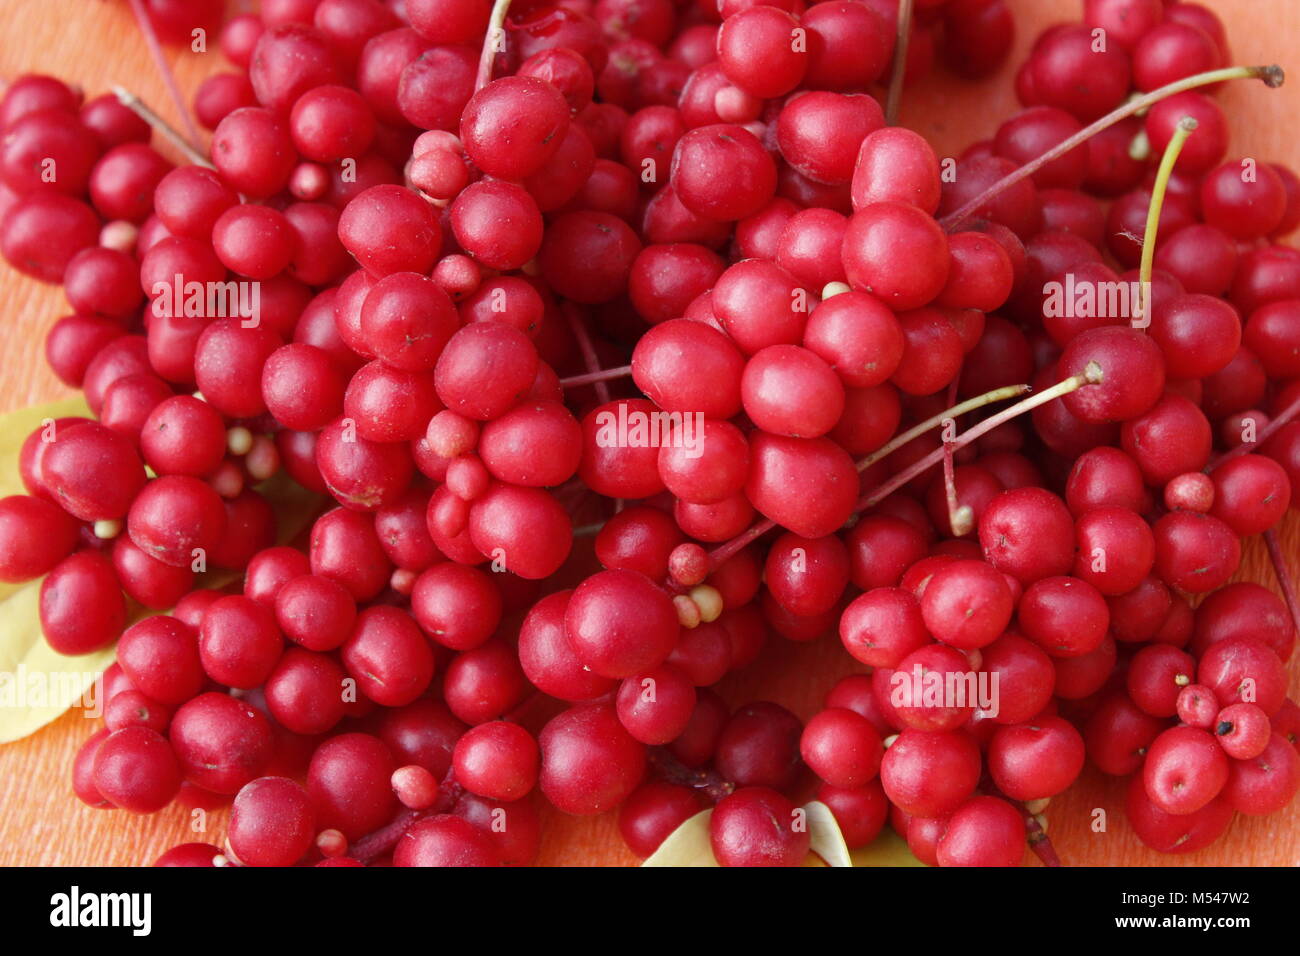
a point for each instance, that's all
(656, 279)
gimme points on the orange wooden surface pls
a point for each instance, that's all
(95, 43)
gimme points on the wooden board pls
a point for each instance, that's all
(95, 43)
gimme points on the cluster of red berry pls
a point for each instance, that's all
(433, 222)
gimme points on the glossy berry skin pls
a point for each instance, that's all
(388, 656)
(239, 642)
(1243, 731)
(930, 774)
(985, 831)
(842, 748)
(444, 841)
(652, 812)
(756, 51)
(176, 519)
(272, 822)
(189, 854)
(620, 623)
(93, 472)
(1026, 678)
(1185, 769)
(497, 760)
(1265, 783)
(1170, 833)
(1243, 669)
(390, 229)
(722, 172)
(221, 743)
(37, 535)
(822, 472)
(348, 781)
(1037, 759)
(873, 259)
(305, 692)
(135, 769)
(759, 746)
(485, 368)
(82, 608)
(967, 604)
(315, 612)
(589, 762)
(161, 657)
(512, 126)
(788, 390)
(756, 826)
(1194, 552)
(1065, 616)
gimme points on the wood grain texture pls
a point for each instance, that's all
(94, 43)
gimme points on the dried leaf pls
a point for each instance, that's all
(36, 683)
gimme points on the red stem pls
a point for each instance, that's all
(1283, 575)
(1271, 75)
(719, 555)
(164, 68)
(591, 378)
(708, 782)
(588, 351)
(901, 43)
(1265, 433)
(374, 845)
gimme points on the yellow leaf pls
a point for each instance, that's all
(827, 840)
(888, 849)
(14, 429)
(689, 845)
(36, 683)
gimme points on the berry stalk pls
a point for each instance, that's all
(146, 113)
(904, 37)
(592, 378)
(168, 78)
(1265, 433)
(935, 457)
(588, 350)
(1283, 575)
(493, 43)
(934, 421)
(707, 782)
(1186, 126)
(1273, 77)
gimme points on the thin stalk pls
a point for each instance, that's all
(164, 68)
(496, 32)
(901, 43)
(1265, 433)
(142, 110)
(983, 428)
(970, 405)
(1186, 126)
(708, 782)
(959, 516)
(1283, 575)
(719, 555)
(588, 352)
(591, 378)
(1273, 76)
